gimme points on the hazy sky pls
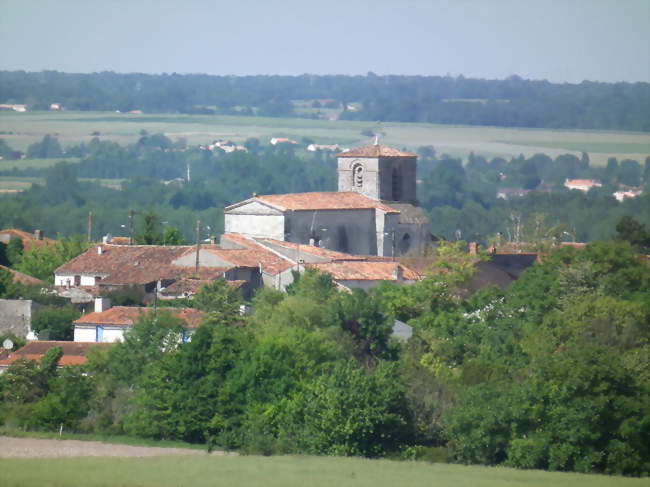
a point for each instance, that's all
(558, 40)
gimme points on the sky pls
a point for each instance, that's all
(557, 40)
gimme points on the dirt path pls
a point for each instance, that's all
(41, 448)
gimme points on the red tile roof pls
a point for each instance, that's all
(378, 150)
(74, 353)
(135, 264)
(335, 200)
(251, 254)
(129, 316)
(312, 250)
(27, 238)
(365, 270)
(23, 278)
(188, 286)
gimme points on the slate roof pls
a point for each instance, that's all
(129, 316)
(334, 200)
(74, 353)
(378, 150)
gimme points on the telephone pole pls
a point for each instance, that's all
(198, 247)
(90, 226)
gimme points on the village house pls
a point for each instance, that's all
(29, 240)
(109, 324)
(282, 140)
(625, 194)
(73, 353)
(583, 185)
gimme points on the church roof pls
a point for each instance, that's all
(334, 200)
(378, 150)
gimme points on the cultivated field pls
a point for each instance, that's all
(45, 467)
(22, 129)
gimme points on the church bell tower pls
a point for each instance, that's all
(378, 172)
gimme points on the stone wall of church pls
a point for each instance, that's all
(351, 231)
(270, 225)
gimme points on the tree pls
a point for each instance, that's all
(150, 231)
(221, 301)
(53, 323)
(47, 148)
(348, 411)
(40, 261)
(634, 232)
(173, 236)
(15, 251)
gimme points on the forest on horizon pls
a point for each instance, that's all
(511, 102)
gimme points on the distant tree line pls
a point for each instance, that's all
(460, 198)
(432, 99)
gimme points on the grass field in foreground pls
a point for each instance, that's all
(285, 471)
(22, 129)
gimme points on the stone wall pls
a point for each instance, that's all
(16, 316)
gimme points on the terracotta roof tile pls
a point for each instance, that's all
(74, 353)
(135, 264)
(23, 278)
(378, 150)
(366, 270)
(311, 249)
(188, 286)
(27, 238)
(335, 200)
(129, 316)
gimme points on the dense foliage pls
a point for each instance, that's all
(552, 373)
(511, 102)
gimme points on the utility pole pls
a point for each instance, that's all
(131, 213)
(198, 247)
(90, 226)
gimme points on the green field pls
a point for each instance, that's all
(33, 163)
(22, 129)
(288, 471)
(10, 184)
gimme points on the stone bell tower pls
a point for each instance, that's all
(379, 172)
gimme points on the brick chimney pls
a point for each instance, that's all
(473, 248)
(38, 234)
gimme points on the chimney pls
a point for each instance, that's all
(102, 304)
(38, 234)
(473, 248)
(100, 250)
(397, 272)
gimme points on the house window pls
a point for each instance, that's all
(77, 280)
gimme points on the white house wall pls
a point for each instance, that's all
(85, 334)
(263, 226)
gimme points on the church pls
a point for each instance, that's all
(374, 211)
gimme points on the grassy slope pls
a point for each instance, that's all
(74, 127)
(278, 472)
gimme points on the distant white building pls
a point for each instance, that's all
(317, 147)
(583, 185)
(282, 140)
(623, 195)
